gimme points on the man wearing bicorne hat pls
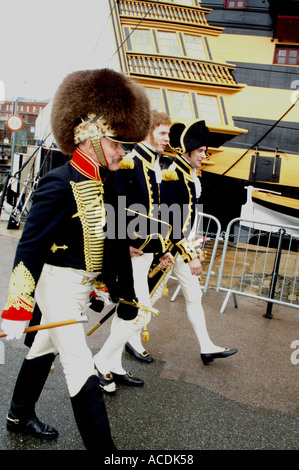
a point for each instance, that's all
(62, 251)
(181, 185)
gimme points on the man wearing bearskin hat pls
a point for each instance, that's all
(62, 251)
(181, 185)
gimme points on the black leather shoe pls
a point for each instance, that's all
(207, 358)
(107, 383)
(32, 426)
(144, 356)
(128, 379)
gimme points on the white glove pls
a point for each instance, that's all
(13, 329)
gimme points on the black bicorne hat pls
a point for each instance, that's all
(184, 139)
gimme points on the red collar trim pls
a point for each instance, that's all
(85, 165)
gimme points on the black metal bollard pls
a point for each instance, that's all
(268, 313)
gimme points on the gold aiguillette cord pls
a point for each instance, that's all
(154, 311)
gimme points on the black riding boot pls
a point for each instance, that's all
(29, 385)
(91, 417)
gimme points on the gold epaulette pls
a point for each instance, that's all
(126, 164)
(169, 175)
(100, 285)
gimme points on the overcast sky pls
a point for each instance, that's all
(44, 40)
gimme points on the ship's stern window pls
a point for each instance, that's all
(236, 4)
(286, 55)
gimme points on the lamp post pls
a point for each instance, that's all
(14, 123)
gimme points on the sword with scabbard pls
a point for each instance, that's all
(134, 303)
(138, 305)
(165, 271)
(46, 326)
(105, 318)
(158, 268)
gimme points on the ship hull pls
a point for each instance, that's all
(225, 182)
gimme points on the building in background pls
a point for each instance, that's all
(29, 111)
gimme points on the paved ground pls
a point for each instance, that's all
(246, 402)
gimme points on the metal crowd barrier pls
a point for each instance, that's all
(206, 237)
(260, 261)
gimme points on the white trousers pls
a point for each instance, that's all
(109, 358)
(61, 296)
(193, 298)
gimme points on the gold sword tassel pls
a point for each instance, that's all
(144, 308)
(145, 333)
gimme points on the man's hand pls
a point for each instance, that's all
(195, 266)
(200, 254)
(166, 260)
(13, 329)
(135, 252)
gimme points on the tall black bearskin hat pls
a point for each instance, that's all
(99, 103)
(184, 139)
